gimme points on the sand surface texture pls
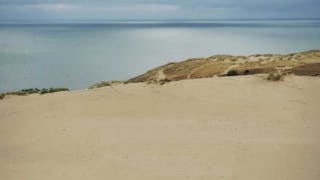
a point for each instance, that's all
(233, 128)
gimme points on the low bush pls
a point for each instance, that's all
(44, 91)
(164, 81)
(232, 72)
(100, 84)
(52, 90)
(246, 72)
(274, 77)
(24, 92)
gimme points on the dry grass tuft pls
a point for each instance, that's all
(275, 77)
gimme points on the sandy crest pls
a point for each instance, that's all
(241, 128)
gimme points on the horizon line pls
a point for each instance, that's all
(141, 21)
(165, 19)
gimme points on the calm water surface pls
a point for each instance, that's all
(77, 55)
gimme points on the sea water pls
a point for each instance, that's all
(76, 55)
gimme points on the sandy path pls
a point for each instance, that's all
(240, 128)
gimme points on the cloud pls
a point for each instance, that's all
(143, 7)
(51, 6)
(157, 9)
(93, 8)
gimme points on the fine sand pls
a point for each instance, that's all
(233, 128)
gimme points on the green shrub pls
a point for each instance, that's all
(24, 92)
(52, 90)
(232, 72)
(100, 84)
(30, 91)
(44, 91)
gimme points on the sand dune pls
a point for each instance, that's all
(303, 63)
(241, 128)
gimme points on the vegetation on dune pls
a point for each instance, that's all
(104, 84)
(100, 84)
(2, 95)
(232, 72)
(246, 72)
(52, 90)
(304, 63)
(25, 92)
(164, 81)
(160, 82)
(274, 77)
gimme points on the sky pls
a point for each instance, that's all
(156, 9)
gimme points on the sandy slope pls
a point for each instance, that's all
(304, 63)
(240, 128)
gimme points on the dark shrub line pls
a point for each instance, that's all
(25, 92)
(52, 90)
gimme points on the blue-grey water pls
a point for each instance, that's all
(76, 55)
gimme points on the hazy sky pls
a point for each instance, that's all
(156, 9)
